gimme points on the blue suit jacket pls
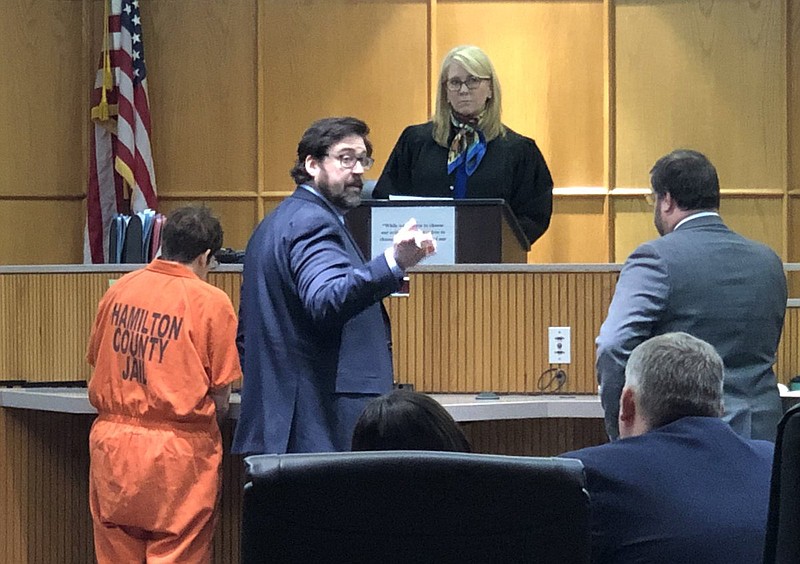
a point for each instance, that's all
(707, 281)
(314, 336)
(692, 491)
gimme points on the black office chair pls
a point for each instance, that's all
(782, 544)
(414, 506)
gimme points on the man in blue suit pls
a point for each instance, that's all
(702, 278)
(313, 334)
(680, 485)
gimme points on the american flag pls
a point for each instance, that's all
(121, 174)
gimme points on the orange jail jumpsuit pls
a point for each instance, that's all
(162, 340)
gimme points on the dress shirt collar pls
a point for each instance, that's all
(695, 216)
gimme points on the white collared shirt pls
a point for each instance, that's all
(695, 216)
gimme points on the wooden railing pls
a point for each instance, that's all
(460, 329)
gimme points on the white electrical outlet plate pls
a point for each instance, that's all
(559, 345)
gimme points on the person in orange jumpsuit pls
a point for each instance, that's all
(164, 355)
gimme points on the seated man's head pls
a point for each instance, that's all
(191, 236)
(403, 420)
(668, 377)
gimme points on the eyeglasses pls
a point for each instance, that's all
(651, 198)
(212, 262)
(472, 82)
(349, 161)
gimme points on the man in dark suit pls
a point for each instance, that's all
(680, 485)
(314, 336)
(702, 278)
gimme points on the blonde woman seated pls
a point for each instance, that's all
(465, 151)
(403, 420)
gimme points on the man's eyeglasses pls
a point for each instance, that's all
(472, 82)
(212, 262)
(349, 161)
(651, 198)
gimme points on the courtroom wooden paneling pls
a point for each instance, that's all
(45, 505)
(605, 87)
(470, 332)
(793, 121)
(704, 75)
(549, 59)
(787, 365)
(577, 233)
(41, 99)
(545, 437)
(46, 319)
(792, 93)
(42, 156)
(755, 218)
(46, 323)
(336, 57)
(633, 224)
(237, 216)
(204, 95)
(46, 231)
(455, 332)
(45, 468)
(793, 240)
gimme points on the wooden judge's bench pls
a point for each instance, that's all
(460, 330)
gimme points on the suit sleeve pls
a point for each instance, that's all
(638, 305)
(332, 286)
(532, 202)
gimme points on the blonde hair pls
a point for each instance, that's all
(478, 64)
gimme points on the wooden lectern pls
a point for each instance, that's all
(486, 230)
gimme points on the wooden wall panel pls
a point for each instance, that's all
(793, 110)
(41, 56)
(705, 75)
(545, 437)
(235, 83)
(755, 218)
(237, 216)
(633, 224)
(41, 231)
(41, 151)
(470, 332)
(455, 332)
(46, 319)
(787, 365)
(44, 467)
(46, 324)
(578, 233)
(337, 57)
(793, 227)
(201, 58)
(546, 95)
(45, 506)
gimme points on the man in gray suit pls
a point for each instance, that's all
(703, 279)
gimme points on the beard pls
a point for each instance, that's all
(658, 221)
(345, 195)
